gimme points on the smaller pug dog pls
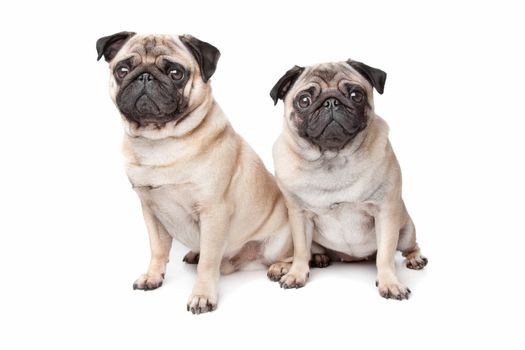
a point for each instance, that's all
(339, 175)
(197, 180)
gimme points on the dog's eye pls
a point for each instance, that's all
(176, 74)
(304, 101)
(356, 96)
(122, 72)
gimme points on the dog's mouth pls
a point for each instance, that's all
(333, 136)
(332, 129)
(147, 106)
(148, 112)
(334, 133)
(147, 109)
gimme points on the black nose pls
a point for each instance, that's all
(145, 77)
(331, 103)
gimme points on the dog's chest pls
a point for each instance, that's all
(339, 206)
(346, 227)
(176, 209)
(174, 203)
(319, 189)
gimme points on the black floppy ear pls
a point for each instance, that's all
(284, 84)
(376, 77)
(110, 45)
(206, 55)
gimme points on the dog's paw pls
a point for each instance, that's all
(149, 281)
(416, 262)
(278, 270)
(294, 279)
(199, 304)
(320, 260)
(393, 290)
(191, 258)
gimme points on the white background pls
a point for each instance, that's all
(72, 239)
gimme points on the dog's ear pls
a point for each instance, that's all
(376, 77)
(206, 55)
(284, 84)
(109, 46)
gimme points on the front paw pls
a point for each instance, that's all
(294, 279)
(149, 281)
(199, 303)
(393, 290)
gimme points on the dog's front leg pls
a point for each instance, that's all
(302, 242)
(214, 227)
(160, 245)
(387, 232)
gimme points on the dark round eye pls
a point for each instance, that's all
(356, 96)
(122, 72)
(176, 74)
(304, 101)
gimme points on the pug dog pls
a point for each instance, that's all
(339, 175)
(197, 180)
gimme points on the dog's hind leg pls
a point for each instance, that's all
(409, 248)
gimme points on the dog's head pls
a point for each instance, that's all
(329, 104)
(157, 80)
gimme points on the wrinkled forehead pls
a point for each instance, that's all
(330, 75)
(149, 49)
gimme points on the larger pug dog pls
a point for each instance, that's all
(339, 175)
(197, 180)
